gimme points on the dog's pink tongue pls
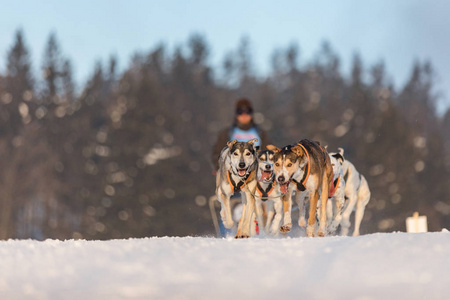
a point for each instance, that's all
(241, 172)
(283, 188)
(266, 175)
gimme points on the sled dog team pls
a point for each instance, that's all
(304, 171)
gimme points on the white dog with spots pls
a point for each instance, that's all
(357, 193)
(336, 202)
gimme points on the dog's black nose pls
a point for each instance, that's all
(241, 165)
(281, 179)
(267, 167)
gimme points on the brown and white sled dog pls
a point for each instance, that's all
(237, 173)
(268, 191)
(337, 196)
(357, 193)
(304, 167)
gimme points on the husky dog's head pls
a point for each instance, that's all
(336, 162)
(265, 165)
(242, 156)
(287, 161)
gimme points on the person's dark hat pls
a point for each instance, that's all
(244, 105)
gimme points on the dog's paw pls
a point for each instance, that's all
(344, 231)
(228, 225)
(286, 228)
(345, 222)
(321, 233)
(242, 236)
(331, 229)
(310, 231)
(302, 222)
(274, 230)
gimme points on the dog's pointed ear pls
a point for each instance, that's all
(252, 142)
(273, 148)
(257, 148)
(230, 144)
(326, 147)
(341, 152)
(339, 157)
(297, 150)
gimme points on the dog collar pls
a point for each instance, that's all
(264, 193)
(237, 187)
(301, 184)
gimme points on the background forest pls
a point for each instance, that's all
(127, 154)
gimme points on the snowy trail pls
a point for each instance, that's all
(375, 266)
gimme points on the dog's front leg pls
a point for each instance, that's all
(270, 213)
(300, 198)
(330, 210)
(250, 210)
(351, 202)
(287, 205)
(259, 213)
(336, 214)
(247, 212)
(323, 209)
(363, 199)
(278, 205)
(313, 198)
(225, 211)
(241, 221)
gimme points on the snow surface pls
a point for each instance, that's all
(375, 266)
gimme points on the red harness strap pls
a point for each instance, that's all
(334, 186)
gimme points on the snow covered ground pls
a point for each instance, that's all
(375, 266)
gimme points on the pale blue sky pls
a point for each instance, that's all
(396, 31)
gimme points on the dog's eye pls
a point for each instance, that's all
(289, 165)
(247, 154)
(235, 154)
(277, 164)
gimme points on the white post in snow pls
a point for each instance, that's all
(416, 223)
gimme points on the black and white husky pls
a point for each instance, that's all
(357, 193)
(237, 173)
(268, 191)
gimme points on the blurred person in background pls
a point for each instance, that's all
(243, 129)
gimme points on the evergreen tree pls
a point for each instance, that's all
(18, 86)
(52, 70)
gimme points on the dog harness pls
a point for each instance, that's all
(334, 186)
(237, 187)
(264, 193)
(301, 184)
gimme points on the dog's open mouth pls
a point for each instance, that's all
(242, 172)
(284, 187)
(266, 175)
